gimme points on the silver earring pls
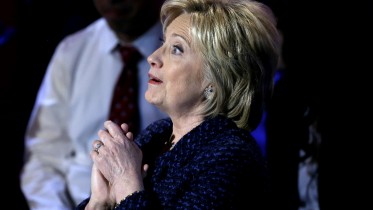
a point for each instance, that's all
(208, 92)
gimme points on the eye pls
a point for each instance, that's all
(177, 50)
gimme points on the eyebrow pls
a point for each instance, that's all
(182, 37)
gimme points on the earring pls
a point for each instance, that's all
(208, 92)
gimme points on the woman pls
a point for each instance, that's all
(217, 56)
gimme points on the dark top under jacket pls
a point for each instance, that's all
(214, 166)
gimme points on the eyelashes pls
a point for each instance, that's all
(176, 49)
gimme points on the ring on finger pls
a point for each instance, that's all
(97, 146)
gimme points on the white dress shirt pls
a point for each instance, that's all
(72, 104)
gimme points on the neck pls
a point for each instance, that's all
(182, 126)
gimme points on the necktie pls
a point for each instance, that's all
(124, 106)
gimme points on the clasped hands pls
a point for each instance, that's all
(117, 169)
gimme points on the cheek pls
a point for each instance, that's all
(182, 89)
(173, 88)
(186, 79)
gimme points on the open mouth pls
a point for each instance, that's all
(153, 79)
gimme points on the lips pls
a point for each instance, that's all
(154, 80)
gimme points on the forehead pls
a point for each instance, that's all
(183, 18)
(180, 25)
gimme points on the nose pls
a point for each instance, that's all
(154, 59)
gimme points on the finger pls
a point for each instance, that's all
(94, 155)
(125, 127)
(129, 135)
(105, 136)
(97, 144)
(114, 130)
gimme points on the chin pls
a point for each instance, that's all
(149, 97)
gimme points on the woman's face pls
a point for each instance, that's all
(175, 77)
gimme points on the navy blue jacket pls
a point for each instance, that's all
(214, 166)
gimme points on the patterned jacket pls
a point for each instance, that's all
(214, 166)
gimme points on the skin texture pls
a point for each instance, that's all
(117, 167)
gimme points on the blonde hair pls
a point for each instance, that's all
(239, 43)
